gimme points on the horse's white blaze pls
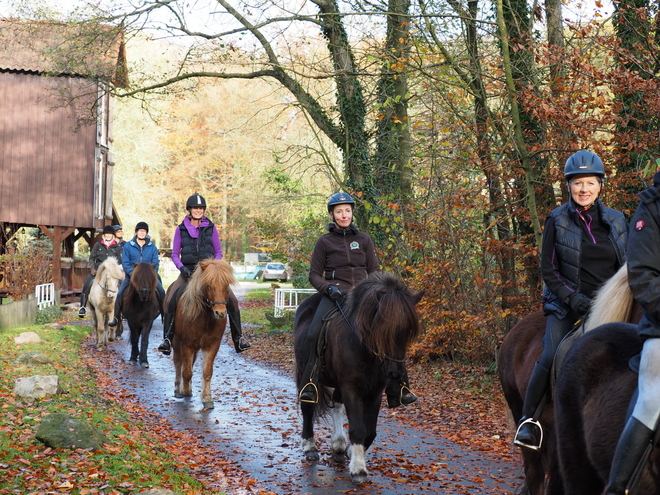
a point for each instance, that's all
(338, 435)
(357, 465)
(308, 444)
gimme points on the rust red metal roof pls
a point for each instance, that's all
(51, 48)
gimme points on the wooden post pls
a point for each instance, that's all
(56, 237)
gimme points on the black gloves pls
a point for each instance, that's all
(335, 293)
(579, 303)
(185, 271)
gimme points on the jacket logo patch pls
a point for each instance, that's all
(355, 245)
(639, 224)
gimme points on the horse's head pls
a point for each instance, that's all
(209, 288)
(109, 276)
(385, 318)
(144, 280)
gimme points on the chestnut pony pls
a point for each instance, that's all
(364, 345)
(140, 307)
(199, 324)
(522, 348)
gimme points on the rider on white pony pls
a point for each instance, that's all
(106, 247)
(137, 250)
(644, 281)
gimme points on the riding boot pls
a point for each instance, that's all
(115, 320)
(398, 392)
(168, 332)
(310, 380)
(236, 332)
(530, 433)
(82, 312)
(630, 455)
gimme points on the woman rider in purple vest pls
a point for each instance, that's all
(196, 239)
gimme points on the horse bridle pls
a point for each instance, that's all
(213, 303)
(385, 357)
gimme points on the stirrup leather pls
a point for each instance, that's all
(532, 446)
(316, 389)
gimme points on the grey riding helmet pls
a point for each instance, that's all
(584, 162)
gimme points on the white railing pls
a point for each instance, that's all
(45, 294)
(287, 299)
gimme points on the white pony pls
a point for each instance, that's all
(102, 295)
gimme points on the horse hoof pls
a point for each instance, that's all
(178, 395)
(208, 405)
(339, 457)
(144, 365)
(312, 455)
(360, 477)
(132, 361)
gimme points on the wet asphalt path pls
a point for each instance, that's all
(256, 423)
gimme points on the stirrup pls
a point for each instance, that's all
(316, 391)
(162, 348)
(526, 445)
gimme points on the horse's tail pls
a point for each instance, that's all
(613, 302)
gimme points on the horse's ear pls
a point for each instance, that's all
(418, 296)
(154, 265)
(134, 265)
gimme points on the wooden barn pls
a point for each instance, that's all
(56, 158)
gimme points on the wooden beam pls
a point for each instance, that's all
(56, 237)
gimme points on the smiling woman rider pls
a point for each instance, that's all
(584, 244)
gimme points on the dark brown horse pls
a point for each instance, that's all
(199, 324)
(593, 392)
(141, 308)
(522, 348)
(365, 345)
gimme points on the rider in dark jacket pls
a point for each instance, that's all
(107, 246)
(584, 244)
(196, 239)
(644, 281)
(341, 259)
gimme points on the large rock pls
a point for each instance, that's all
(32, 359)
(27, 338)
(37, 386)
(59, 430)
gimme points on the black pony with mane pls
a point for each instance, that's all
(141, 307)
(363, 347)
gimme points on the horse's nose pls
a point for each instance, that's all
(219, 315)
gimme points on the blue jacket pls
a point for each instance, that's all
(133, 253)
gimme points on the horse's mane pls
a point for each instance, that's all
(110, 268)
(209, 273)
(613, 302)
(383, 313)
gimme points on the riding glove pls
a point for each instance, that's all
(185, 271)
(579, 303)
(335, 293)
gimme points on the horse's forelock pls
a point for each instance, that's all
(209, 273)
(110, 268)
(384, 314)
(144, 275)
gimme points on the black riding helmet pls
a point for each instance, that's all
(584, 162)
(339, 199)
(195, 201)
(108, 229)
(142, 225)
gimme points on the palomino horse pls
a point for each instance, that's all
(522, 348)
(199, 324)
(102, 297)
(140, 309)
(361, 350)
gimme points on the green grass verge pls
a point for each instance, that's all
(134, 460)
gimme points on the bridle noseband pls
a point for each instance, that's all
(213, 303)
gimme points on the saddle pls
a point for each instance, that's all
(322, 341)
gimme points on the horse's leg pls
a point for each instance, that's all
(187, 361)
(135, 337)
(176, 359)
(339, 442)
(207, 374)
(357, 432)
(100, 323)
(144, 344)
(120, 328)
(308, 440)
